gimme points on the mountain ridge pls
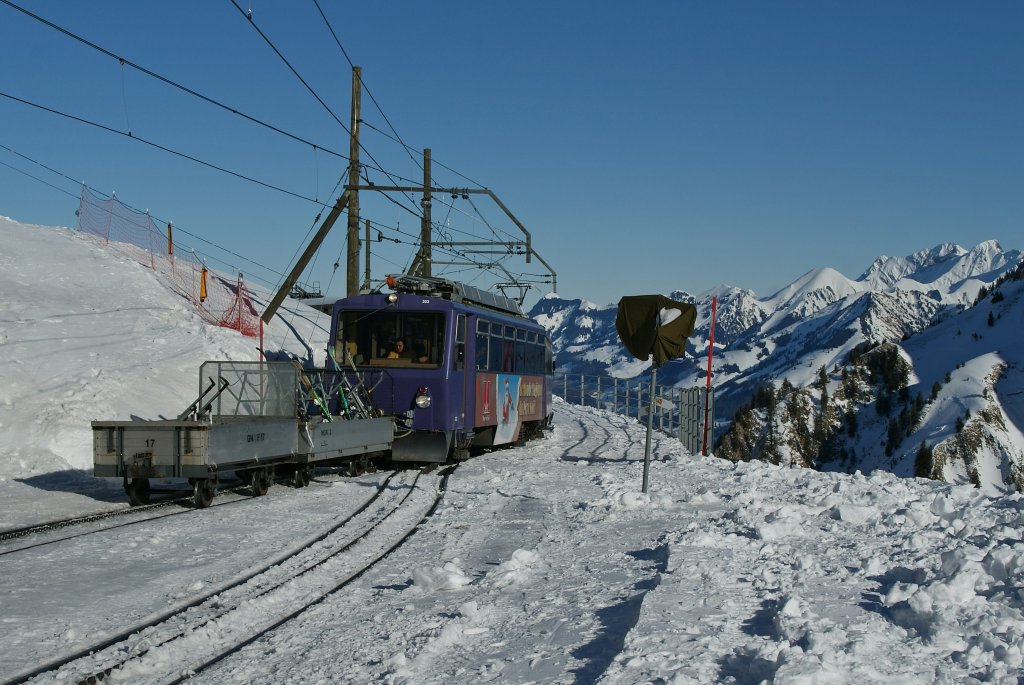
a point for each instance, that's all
(816, 322)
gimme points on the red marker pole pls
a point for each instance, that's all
(707, 392)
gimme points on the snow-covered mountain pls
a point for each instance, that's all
(947, 267)
(813, 323)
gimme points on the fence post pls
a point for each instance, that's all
(583, 396)
(679, 414)
(110, 216)
(639, 399)
(679, 408)
(597, 398)
(661, 419)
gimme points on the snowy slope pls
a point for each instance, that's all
(544, 564)
(985, 368)
(88, 334)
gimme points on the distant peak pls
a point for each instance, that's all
(988, 246)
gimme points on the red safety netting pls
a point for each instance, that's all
(219, 299)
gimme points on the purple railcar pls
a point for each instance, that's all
(458, 367)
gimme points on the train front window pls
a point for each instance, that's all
(390, 338)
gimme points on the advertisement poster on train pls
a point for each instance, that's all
(508, 409)
(497, 404)
(505, 401)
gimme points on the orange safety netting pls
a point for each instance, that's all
(220, 300)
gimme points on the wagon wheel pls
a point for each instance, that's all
(203, 490)
(261, 479)
(357, 467)
(138, 491)
(302, 477)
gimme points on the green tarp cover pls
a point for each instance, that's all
(641, 331)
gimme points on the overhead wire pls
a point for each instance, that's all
(351, 64)
(397, 137)
(163, 148)
(102, 194)
(410, 149)
(270, 43)
(315, 200)
(40, 164)
(123, 61)
(174, 84)
(36, 178)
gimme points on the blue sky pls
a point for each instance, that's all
(646, 146)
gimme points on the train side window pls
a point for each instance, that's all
(533, 363)
(521, 351)
(497, 346)
(483, 335)
(508, 350)
(534, 354)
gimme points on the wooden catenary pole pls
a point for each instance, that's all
(352, 264)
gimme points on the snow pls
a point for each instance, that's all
(667, 316)
(543, 564)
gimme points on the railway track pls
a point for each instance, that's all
(203, 630)
(49, 526)
(138, 514)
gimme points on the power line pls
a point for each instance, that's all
(37, 163)
(380, 226)
(365, 88)
(396, 138)
(101, 194)
(270, 43)
(409, 148)
(174, 84)
(36, 178)
(123, 61)
(163, 148)
(266, 39)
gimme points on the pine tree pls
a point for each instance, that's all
(894, 437)
(924, 461)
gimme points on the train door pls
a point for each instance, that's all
(462, 380)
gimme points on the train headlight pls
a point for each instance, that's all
(423, 398)
(391, 298)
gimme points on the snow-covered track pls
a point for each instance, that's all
(137, 514)
(614, 436)
(292, 581)
(15, 533)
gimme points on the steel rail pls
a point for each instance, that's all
(195, 669)
(160, 617)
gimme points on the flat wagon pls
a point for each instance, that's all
(251, 418)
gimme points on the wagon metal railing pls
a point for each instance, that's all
(678, 411)
(251, 388)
